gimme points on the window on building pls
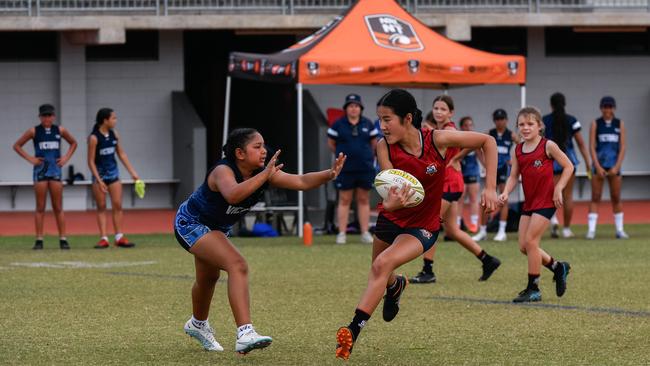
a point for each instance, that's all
(591, 41)
(501, 40)
(28, 46)
(139, 46)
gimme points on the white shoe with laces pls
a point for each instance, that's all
(366, 238)
(204, 335)
(590, 235)
(482, 235)
(341, 238)
(501, 236)
(567, 233)
(622, 235)
(250, 340)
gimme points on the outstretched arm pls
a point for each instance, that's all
(310, 180)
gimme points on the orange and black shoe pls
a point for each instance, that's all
(124, 243)
(344, 343)
(102, 244)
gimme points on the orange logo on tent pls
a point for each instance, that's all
(394, 33)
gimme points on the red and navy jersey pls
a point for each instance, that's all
(454, 182)
(429, 169)
(536, 170)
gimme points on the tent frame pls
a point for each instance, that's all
(299, 91)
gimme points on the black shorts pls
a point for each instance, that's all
(546, 212)
(451, 196)
(351, 180)
(503, 173)
(110, 181)
(469, 179)
(387, 231)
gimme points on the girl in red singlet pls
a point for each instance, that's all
(534, 161)
(402, 234)
(443, 110)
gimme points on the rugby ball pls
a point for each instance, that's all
(396, 177)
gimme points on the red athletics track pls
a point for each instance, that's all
(160, 221)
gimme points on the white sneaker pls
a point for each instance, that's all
(622, 235)
(367, 238)
(590, 235)
(482, 235)
(204, 335)
(501, 236)
(250, 341)
(341, 238)
(567, 233)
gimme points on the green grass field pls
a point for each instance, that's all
(300, 296)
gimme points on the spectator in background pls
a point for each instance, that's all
(607, 147)
(429, 123)
(562, 128)
(103, 144)
(47, 162)
(356, 137)
(471, 175)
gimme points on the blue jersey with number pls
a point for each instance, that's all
(105, 155)
(608, 141)
(504, 143)
(47, 145)
(469, 165)
(212, 209)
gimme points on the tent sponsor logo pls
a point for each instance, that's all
(394, 33)
(513, 67)
(414, 66)
(313, 68)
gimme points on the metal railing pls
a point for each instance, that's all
(165, 7)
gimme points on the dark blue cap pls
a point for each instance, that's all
(499, 114)
(607, 101)
(353, 98)
(46, 109)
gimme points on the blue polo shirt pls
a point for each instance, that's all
(354, 141)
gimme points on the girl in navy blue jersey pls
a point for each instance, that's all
(607, 147)
(203, 223)
(47, 162)
(103, 145)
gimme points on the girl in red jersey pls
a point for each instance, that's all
(402, 234)
(534, 161)
(443, 110)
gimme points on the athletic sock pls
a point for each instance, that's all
(473, 219)
(592, 219)
(243, 329)
(428, 266)
(551, 265)
(198, 323)
(533, 282)
(358, 322)
(458, 220)
(63, 238)
(483, 256)
(483, 229)
(554, 220)
(502, 226)
(118, 236)
(104, 238)
(618, 221)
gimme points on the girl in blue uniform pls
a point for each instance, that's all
(47, 162)
(203, 222)
(103, 144)
(607, 147)
(471, 175)
(563, 128)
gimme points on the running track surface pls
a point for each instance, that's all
(160, 221)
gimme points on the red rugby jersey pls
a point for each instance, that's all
(453, 178)
(429, 169)
(536, 170)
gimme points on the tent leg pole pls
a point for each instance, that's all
(523, 95)
(300, 161)
(226, 112)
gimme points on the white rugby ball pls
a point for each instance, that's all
(396, 177)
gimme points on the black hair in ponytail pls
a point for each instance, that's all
(237, 139)
(102, 115)
(560, 130)
(402, 103)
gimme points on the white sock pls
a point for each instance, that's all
(473, 219)
(554, 220)
(199, 323)
(64, 238)
(618, 221)
(592, 219)
(483, 229)
(458, 220)
(502, 226)
(104, 238)
(118, 236)
(243, 329)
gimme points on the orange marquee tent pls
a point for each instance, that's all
(375, 42)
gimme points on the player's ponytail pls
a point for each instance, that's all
(402, 103)
(560, 130)
(237, 139)
(102, 115)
